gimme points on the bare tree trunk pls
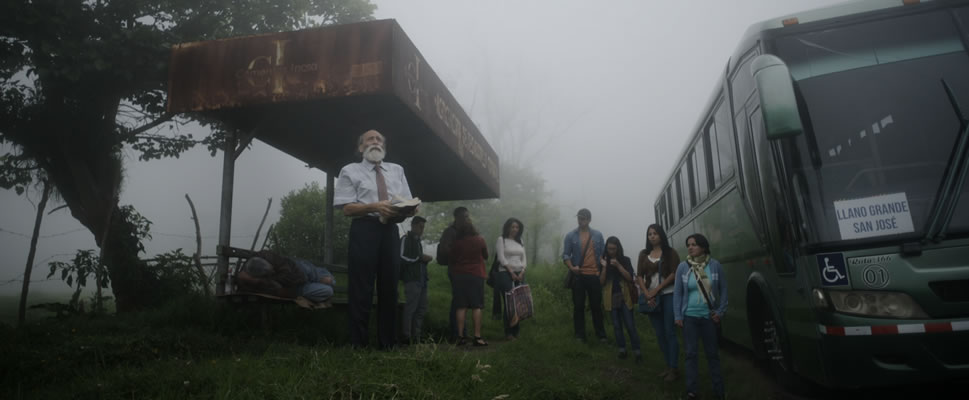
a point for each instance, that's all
(198, 251)
(259, 229)
(263, 221)
(33, 251)
(269, 232)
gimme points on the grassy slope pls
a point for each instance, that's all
(195, 349)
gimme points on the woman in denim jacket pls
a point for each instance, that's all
(699, 302)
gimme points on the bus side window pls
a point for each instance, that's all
(714, 154)
(686, 186)
(678, 195)
(725, 142)
(700, 170)
(672, 202)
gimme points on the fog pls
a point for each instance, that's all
(602, 99)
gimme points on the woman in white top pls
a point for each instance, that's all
(511, 266)
(655, 276)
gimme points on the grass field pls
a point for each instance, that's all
(195, 348)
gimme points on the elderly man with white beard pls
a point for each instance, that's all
(363, 190)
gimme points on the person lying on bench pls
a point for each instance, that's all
(285, 277)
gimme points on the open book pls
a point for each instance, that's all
(404, 208)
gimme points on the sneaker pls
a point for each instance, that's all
(691, 395)
(622, 355)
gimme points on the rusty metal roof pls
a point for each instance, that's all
(311, 93)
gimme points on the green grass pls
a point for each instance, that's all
(195, 348)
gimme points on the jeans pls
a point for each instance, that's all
(665, 334)
(624, 316)
(504, 283)
(694, 330)
(587, 285)
(416, 307)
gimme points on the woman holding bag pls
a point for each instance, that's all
(616, 278)
(655, 277)
(511, 267)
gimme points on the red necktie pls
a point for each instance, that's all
(381, 184)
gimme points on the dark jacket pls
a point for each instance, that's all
(444, 245)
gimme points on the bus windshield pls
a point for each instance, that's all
(879, 126)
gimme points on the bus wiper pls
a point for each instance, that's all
(955, 176)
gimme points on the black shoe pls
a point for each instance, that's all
(639, 358)
(622, 355)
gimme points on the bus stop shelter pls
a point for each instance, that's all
(311, 93)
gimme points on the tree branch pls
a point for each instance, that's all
(161, 120)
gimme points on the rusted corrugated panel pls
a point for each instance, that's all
(288, 66)
(311, 93)
(425, 94)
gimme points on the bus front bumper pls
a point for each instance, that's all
(899, 354)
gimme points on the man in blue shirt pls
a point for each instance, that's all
(582, 247)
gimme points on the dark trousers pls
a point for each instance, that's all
(587, 285)
(374, 255)
(504, 284)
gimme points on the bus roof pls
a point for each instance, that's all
(824, 13)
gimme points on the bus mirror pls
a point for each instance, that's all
(778, 105)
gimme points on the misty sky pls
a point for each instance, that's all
(608, 96)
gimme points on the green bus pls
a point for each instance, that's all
(828, 171)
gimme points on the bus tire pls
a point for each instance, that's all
(771, 347)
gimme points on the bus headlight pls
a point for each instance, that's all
(876, 304)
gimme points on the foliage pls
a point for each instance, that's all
(80, 80)
(301, 227)
(86, 264)
(177, 274)
(192, 348)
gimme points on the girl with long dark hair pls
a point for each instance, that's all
(655, 277)
(616, 277)
(511, 267)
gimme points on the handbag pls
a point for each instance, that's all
(570, 276)
(519, 304)
(643, 306)
(492, 272)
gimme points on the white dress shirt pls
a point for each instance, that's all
(357, 183)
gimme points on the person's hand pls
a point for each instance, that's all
(602, 262)
(574, 269)
(614, 263)
(385, 209)
(715, 317)
(650, 294)
(679, 323)
(426, 258)
(652, 302)
(326, 280)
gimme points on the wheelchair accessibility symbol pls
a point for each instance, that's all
(832, 269)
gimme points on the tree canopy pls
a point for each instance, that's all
(81, 80)
(301, 226)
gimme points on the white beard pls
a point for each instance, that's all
(374, 154)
